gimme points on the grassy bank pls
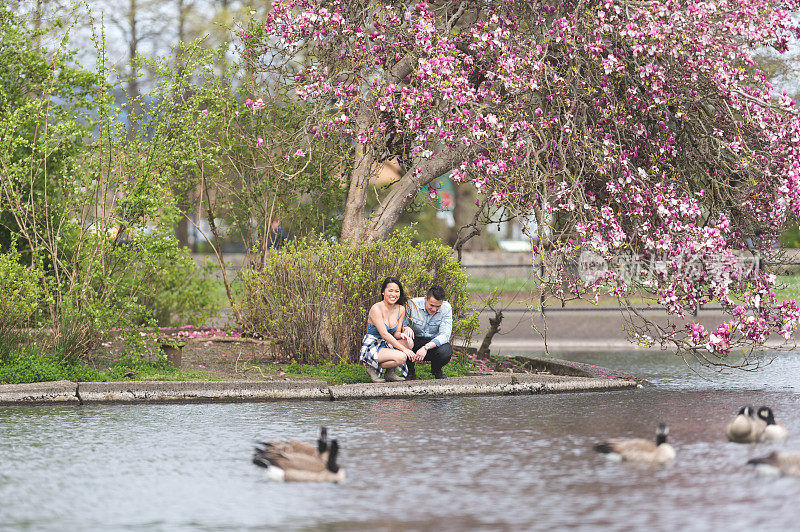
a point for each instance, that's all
(352, 373)
(25, 366)
(28, 366)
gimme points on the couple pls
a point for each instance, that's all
(395, 341)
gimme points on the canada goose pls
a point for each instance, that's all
(778, 464)
(638, 449)
(294, 446)
(298, 467)
(745, 427)
(772, 431)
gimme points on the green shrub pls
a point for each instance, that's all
(20, 291)
(27, 366)
(313, 296)
(180, 292)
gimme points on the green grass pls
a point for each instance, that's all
(220, 296)
(354, 373)
(791, 289)
(25, 365)
(507, 284)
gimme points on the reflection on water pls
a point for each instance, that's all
(461, 463)
(668, 371)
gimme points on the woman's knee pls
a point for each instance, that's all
(392, 359)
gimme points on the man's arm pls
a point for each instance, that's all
(412, 311)
(445, 327)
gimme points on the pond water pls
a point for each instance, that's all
(458, 463)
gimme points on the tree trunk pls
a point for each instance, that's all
(494, 327)
(355, 219)
(386, 215)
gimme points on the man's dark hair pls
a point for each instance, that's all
(436, 292)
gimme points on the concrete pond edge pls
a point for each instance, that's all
(78, 393)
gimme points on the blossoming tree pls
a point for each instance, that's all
(627, 128)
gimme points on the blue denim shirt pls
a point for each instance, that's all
(438, 326)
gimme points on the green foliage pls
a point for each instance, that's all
(313, 296)
(27, 365)
(253, 162)
(45, 102)
(90, 202)
(452, 369)
(180, 292)
(790, 238)
(343, 373)
(20, 291)
(340, 373)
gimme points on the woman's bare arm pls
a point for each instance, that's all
(398, 333)
(376, 318)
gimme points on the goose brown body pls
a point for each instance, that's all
(296, 446)
(639, 449)
(298, 461)
(289, 462)
(745, 427)
(771, 431)
(293, 446)
(779, 464)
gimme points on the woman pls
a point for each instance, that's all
(386, 346)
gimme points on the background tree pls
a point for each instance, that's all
(88, 207)
(243, 181)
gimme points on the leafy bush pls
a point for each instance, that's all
(180, 292)
(313, 296)
(27, 364)
(20, 291)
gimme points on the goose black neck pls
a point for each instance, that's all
(322, 441)
(334, 450)
(661, 438)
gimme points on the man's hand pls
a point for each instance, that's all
(420, 354)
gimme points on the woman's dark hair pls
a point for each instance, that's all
(402, 300)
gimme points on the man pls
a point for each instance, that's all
(277, 236)
(431, 319)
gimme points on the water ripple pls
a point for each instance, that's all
(458, 463)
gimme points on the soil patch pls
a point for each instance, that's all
(218, 354)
